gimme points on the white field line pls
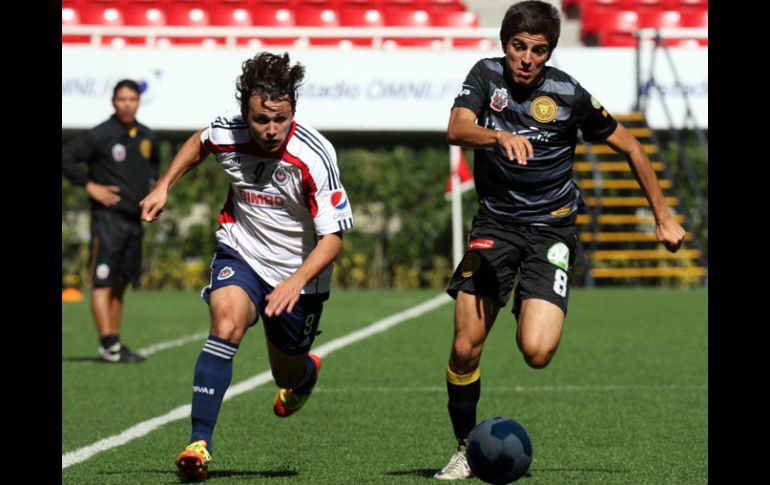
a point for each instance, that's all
(146, 427)
(504, 389)
(170, 344)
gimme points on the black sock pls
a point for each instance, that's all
(464, 392)
(109, 340)
(308, 379)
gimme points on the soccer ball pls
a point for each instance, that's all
(499, 450)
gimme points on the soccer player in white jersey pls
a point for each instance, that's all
(280, 230)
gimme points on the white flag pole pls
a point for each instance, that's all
(457, 211)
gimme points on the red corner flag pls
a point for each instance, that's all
(462, 171)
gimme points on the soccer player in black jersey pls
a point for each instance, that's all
(521, 117)
(123, 162)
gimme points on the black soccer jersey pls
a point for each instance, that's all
(115, 157)
(541, 192)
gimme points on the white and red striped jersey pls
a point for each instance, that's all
(278, 205)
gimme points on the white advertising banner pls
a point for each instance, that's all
(356, 90)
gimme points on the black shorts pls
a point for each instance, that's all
(292, 333)
(116, 248)
(542, 256)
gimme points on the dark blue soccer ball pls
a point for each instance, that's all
(499, 450)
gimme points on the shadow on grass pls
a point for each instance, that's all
(580, 470)
(214, 474)
(417, 472)
(85, 360)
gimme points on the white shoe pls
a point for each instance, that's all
(457, 468)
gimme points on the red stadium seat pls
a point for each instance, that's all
(592, 16)
(317, 17)
(375, 4)
(639, 5)
(682, 5)
(192, 15)
(271, 15)
(70, 15)
(663, 19)
(659, 19)
(413, 4)
(459, 19)
(696, 19)
(408, 17)
(454, 18)
(145, 14)
(355, 16)
(616, 28)
(96, 14)
(436, 6)
(230, 14)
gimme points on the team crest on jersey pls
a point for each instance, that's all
(543, 109)
(499, 99)
(339, 200)
(118, 152)
(145, 148)
(225, 273)
(280, 176)
(558, 255)
(595, 103)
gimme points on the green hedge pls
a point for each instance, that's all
(401, 238)
(697, 156)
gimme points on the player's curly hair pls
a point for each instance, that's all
(533, 17)
(270, 76)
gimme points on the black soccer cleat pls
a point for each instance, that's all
(119, 353)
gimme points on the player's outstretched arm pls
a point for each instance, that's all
(191, 154)
(464, 131)
(286, 294)
(668, 231)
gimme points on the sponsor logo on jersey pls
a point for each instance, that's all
(103, 271)
(558, 255)
(543, 109)
(145, 148)
(464, 90)
(203, 390)
(499, 99)
(339, 200)
(280, 176)
(118, 152)
(342, 215)
(470, 264)
(262, 199)
(481, 244)
(225, 273)
(535, 134)
(561, 211)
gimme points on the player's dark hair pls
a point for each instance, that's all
(533, 17)
(126, 83)
(270, 76)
